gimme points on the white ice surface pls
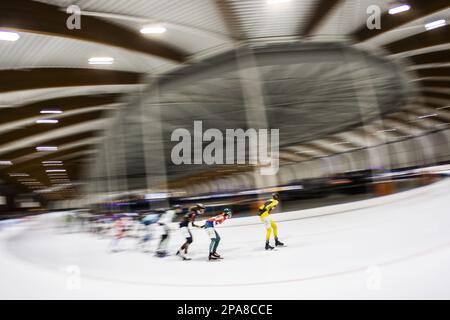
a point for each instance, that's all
(386, 248)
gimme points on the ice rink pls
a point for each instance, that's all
(392, 247)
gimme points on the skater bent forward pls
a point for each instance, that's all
(264, 211)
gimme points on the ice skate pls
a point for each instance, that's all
(212, 257)
(218, 256)
(278, 243)
(268, 246)
(161, 254)
(183, 256)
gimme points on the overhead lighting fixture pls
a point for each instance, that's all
(47, 121)
(399, 9)
(154, 29)
(52, 162)
(19, 175)
(46, 148)
(55, 170)
(51, 112)
(5, 163)
(101, 60)
(26, 180)
(9, 36)
(435, 24)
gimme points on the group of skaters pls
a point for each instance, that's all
(189, 219)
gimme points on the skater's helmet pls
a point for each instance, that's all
(228, 212)
(275, 196)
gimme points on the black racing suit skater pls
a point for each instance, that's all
(189, 217)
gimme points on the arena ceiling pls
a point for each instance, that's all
(47, 68)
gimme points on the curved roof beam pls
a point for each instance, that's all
(421, 40)
(231, 20)
(34, 140)
(433, 72)
(64, 104)
(52, 142)
(438, 95)
(36, 17)
(438, 83)
(321, 11)
(442, 56)
(38, 78)
(35, 129)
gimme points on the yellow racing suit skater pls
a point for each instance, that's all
(270, 225)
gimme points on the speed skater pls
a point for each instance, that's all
(263, 213)
(184, 227)
(212, 233)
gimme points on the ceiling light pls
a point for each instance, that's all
(155, 29)
(9, 36)
(46, 148)
(47, 121)
(399, 9)
(55, 170)
(435, 24)
(52, 164)
(19, 175)
(51, 111)
(101, 60)
(5, 163)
